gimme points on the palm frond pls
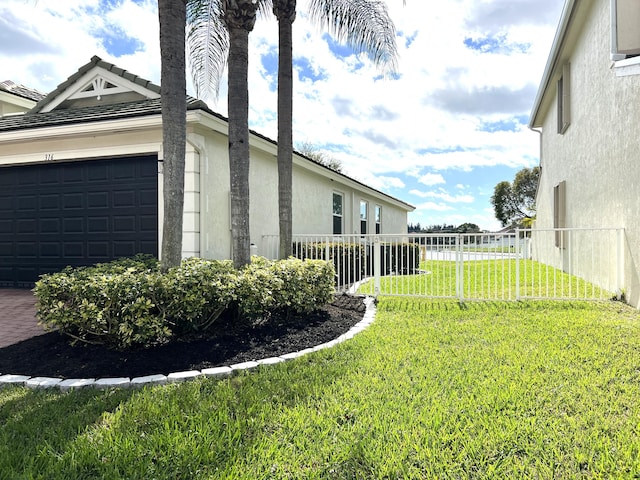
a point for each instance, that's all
(364, 25)
(207, 46)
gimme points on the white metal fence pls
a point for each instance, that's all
(569, 264)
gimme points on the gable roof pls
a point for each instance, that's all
(65, 88)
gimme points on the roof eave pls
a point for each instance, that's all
(556, 47)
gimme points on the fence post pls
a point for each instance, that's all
(377, 266)
(517, 253)
(620, 263)
(459, 269)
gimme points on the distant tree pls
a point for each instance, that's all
(313, 152)
(514, 203)
(468, 228)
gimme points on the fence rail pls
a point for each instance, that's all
(567, 264)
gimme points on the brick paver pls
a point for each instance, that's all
(17, 316)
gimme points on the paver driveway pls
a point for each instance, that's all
(17, 316)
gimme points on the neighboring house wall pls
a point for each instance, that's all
(12, 105)
(598, 155)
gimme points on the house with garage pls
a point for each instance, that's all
(587, 112)
(81, 181)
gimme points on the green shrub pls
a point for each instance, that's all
(129, 302)
(104, 305)
(293, 286)
(349, 259)
(196, 293)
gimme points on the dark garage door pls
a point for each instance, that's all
(76, 213)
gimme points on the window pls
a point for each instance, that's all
(363, 217)
(625, 34)
(559, 212)
(337, 213)
(378, 219)
(564, 104)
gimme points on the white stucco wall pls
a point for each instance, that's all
(313, 188)
(599, 154)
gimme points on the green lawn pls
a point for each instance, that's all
(433, 389)
(489, 280)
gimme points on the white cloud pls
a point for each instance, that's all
(430, 179)
(443, 195)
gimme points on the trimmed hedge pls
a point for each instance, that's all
(129, 302)
(354, 261)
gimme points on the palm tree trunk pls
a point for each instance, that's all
(172, 16)
(285, 12)
(239, 17)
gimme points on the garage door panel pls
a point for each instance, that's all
(124, 224)
(25, 250)
(74, 250)
(124, 199)
(98, 200)
(98, 225)
(71, 174)
(77, 213)
(27, 203)
(50, 226)
(27, 226)
(99, 174)
(98, 250)
(50, 249)
(124, 249)
(49, 201)
(73, 201)
(73, 225)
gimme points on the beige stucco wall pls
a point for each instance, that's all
(313, 188)
(599, 154)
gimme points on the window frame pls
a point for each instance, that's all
(624, 30)
(378, 219)
(338, 215)
(364, 216)
(560, 213)
(564, 99)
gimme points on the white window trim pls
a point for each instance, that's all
(626, 67)
(365, 219)
(334, 214)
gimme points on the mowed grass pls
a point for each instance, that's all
(433, 389)
(489, 279)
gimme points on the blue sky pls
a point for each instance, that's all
(439, 134)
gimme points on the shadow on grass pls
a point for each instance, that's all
(199, 428)
(37, 426)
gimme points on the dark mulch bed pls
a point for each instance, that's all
(51, 355)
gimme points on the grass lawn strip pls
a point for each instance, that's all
(431, 390)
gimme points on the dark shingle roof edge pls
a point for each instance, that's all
(21, 91)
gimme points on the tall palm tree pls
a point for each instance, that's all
(365, 26)
(172, 17)
(239, 16)
(362, 24)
